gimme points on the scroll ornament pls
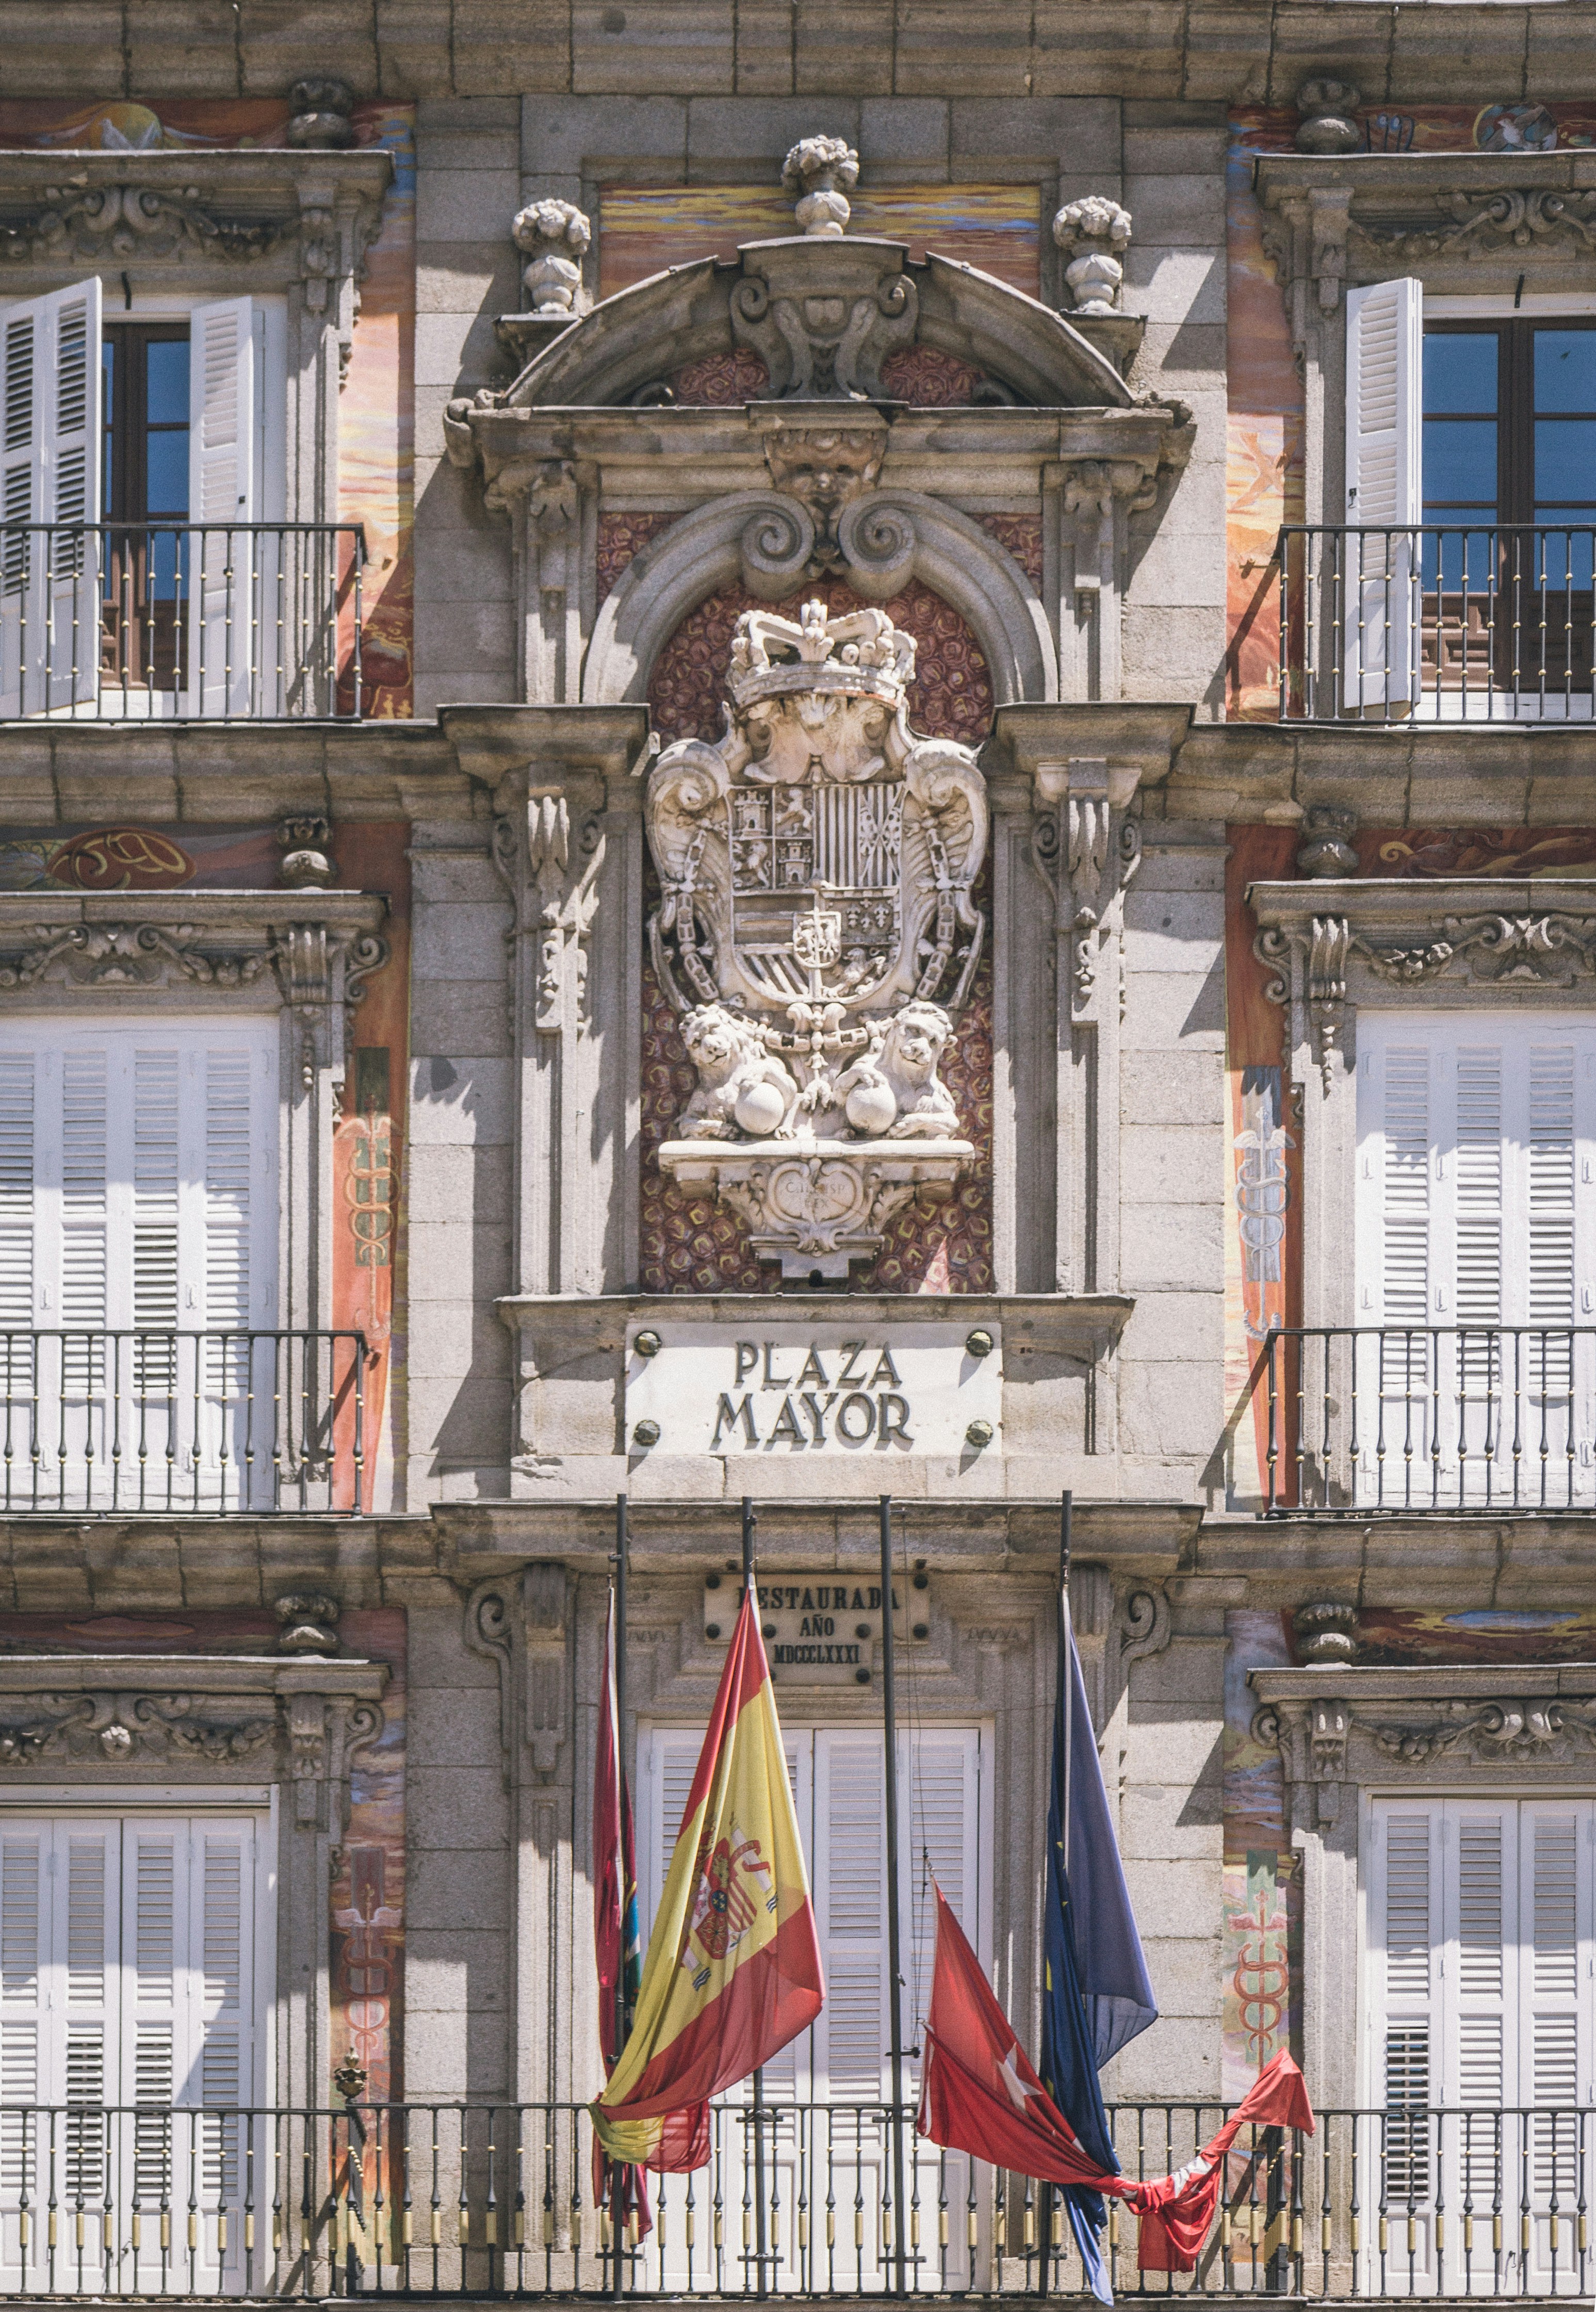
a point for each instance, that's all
(817, 933)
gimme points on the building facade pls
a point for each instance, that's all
(772, 753)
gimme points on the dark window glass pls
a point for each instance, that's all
(146, 421)
(1564, 370)
(1461, 372)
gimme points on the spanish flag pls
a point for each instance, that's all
(734, 1965)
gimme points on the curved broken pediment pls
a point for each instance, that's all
(822, 315)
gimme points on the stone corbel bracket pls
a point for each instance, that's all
(159, 1713)
(1117, 1621)
(1340, 1729)
(521, 1623)
(319, 947)
(1462, 219)
(1335, 942)
(1090, 850)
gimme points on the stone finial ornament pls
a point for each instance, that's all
(1099, 230)
(1327, 126)
(555, 236)
(307, 1617)
(1325, 1632)
(321, 108)
(821, 171)
(1327, 849)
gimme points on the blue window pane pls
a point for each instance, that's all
(166, 383)
(1562, 557)
(1565, 460)
(1460, 372)
(1458, 561)
(1460, 464)
(167, 466)
(1564, 369)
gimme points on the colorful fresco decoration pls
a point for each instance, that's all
(134, 858)
(1264, 433)
(1261, 2011)
(1263, 1217)
(367, 1244)
(367, 1905)
(643, 229)
(1392, 1635)
(376, 438)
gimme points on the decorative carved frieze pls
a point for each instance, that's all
(817, 865)
(1319, 936)
(119, 1711)
(1532, 219)
(129, 220)
(1335, 1726)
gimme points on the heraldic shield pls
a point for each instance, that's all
(816, 932)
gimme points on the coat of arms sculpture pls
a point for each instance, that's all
(817, 932)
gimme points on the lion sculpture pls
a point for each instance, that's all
(741, 1086)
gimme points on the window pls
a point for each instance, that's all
(1483, 431)
(826, 2144)
(131, 1974)
(137, 569)
(1479, 2002)
(137, 1250)
(1475, 1251)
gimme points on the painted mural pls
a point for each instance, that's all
(367, 1907)
(643, 229)
(376, 429)
(1264, 433)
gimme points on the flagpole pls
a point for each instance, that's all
(894, 1966)
(623, 2020)
(750, 1519)
(1067, 1705)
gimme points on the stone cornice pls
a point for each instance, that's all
(321, 945)
(1143, 736)
(494, 744)
(1412, 932)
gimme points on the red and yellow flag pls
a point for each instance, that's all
(734, 1965)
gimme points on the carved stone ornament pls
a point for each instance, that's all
(555, 236)
(1097, 231)
(107, 221)
(1532, 218)
(830, 347)
(319, 110)
(821, 172)
(827, 469)
(1327, 125)
(1516, 933)
(817, 864)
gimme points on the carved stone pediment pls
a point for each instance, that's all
(179, 1712)
(1473, 220)
(318, 947)
(1423, 1727)
(1333, 940)
(261, 218)
(817, 866)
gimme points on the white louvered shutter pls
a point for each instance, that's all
(1555, 2038)
(24, 2024)
(1476, 1151)
(225, 627)
(18, 1190)
(1480, 1925)
(1405, 1918)
(50, 473)
(850, 1898)
(1384, 489)
(941, 1796)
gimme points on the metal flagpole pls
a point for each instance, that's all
(894, 1966)
(623, 2019)
(1052, 2223)
(762, 2284)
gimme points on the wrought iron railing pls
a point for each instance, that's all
(1468, 622)
(1365, 1419)
(221, 1424)
(449, 2199)
(175, 620)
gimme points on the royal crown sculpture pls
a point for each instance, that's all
(816, 932)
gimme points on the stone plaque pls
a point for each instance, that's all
(769, 1389)
(818, 1629)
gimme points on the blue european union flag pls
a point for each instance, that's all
(1096, 1995)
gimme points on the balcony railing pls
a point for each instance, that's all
(1393, 1419)
(1491, 622)
(173, 620)
(797, 2199)
(169, 1423)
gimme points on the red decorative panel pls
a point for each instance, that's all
(689, 1243)
(720, 378)
(1021, 535)
(930, 379)
(620, 537)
